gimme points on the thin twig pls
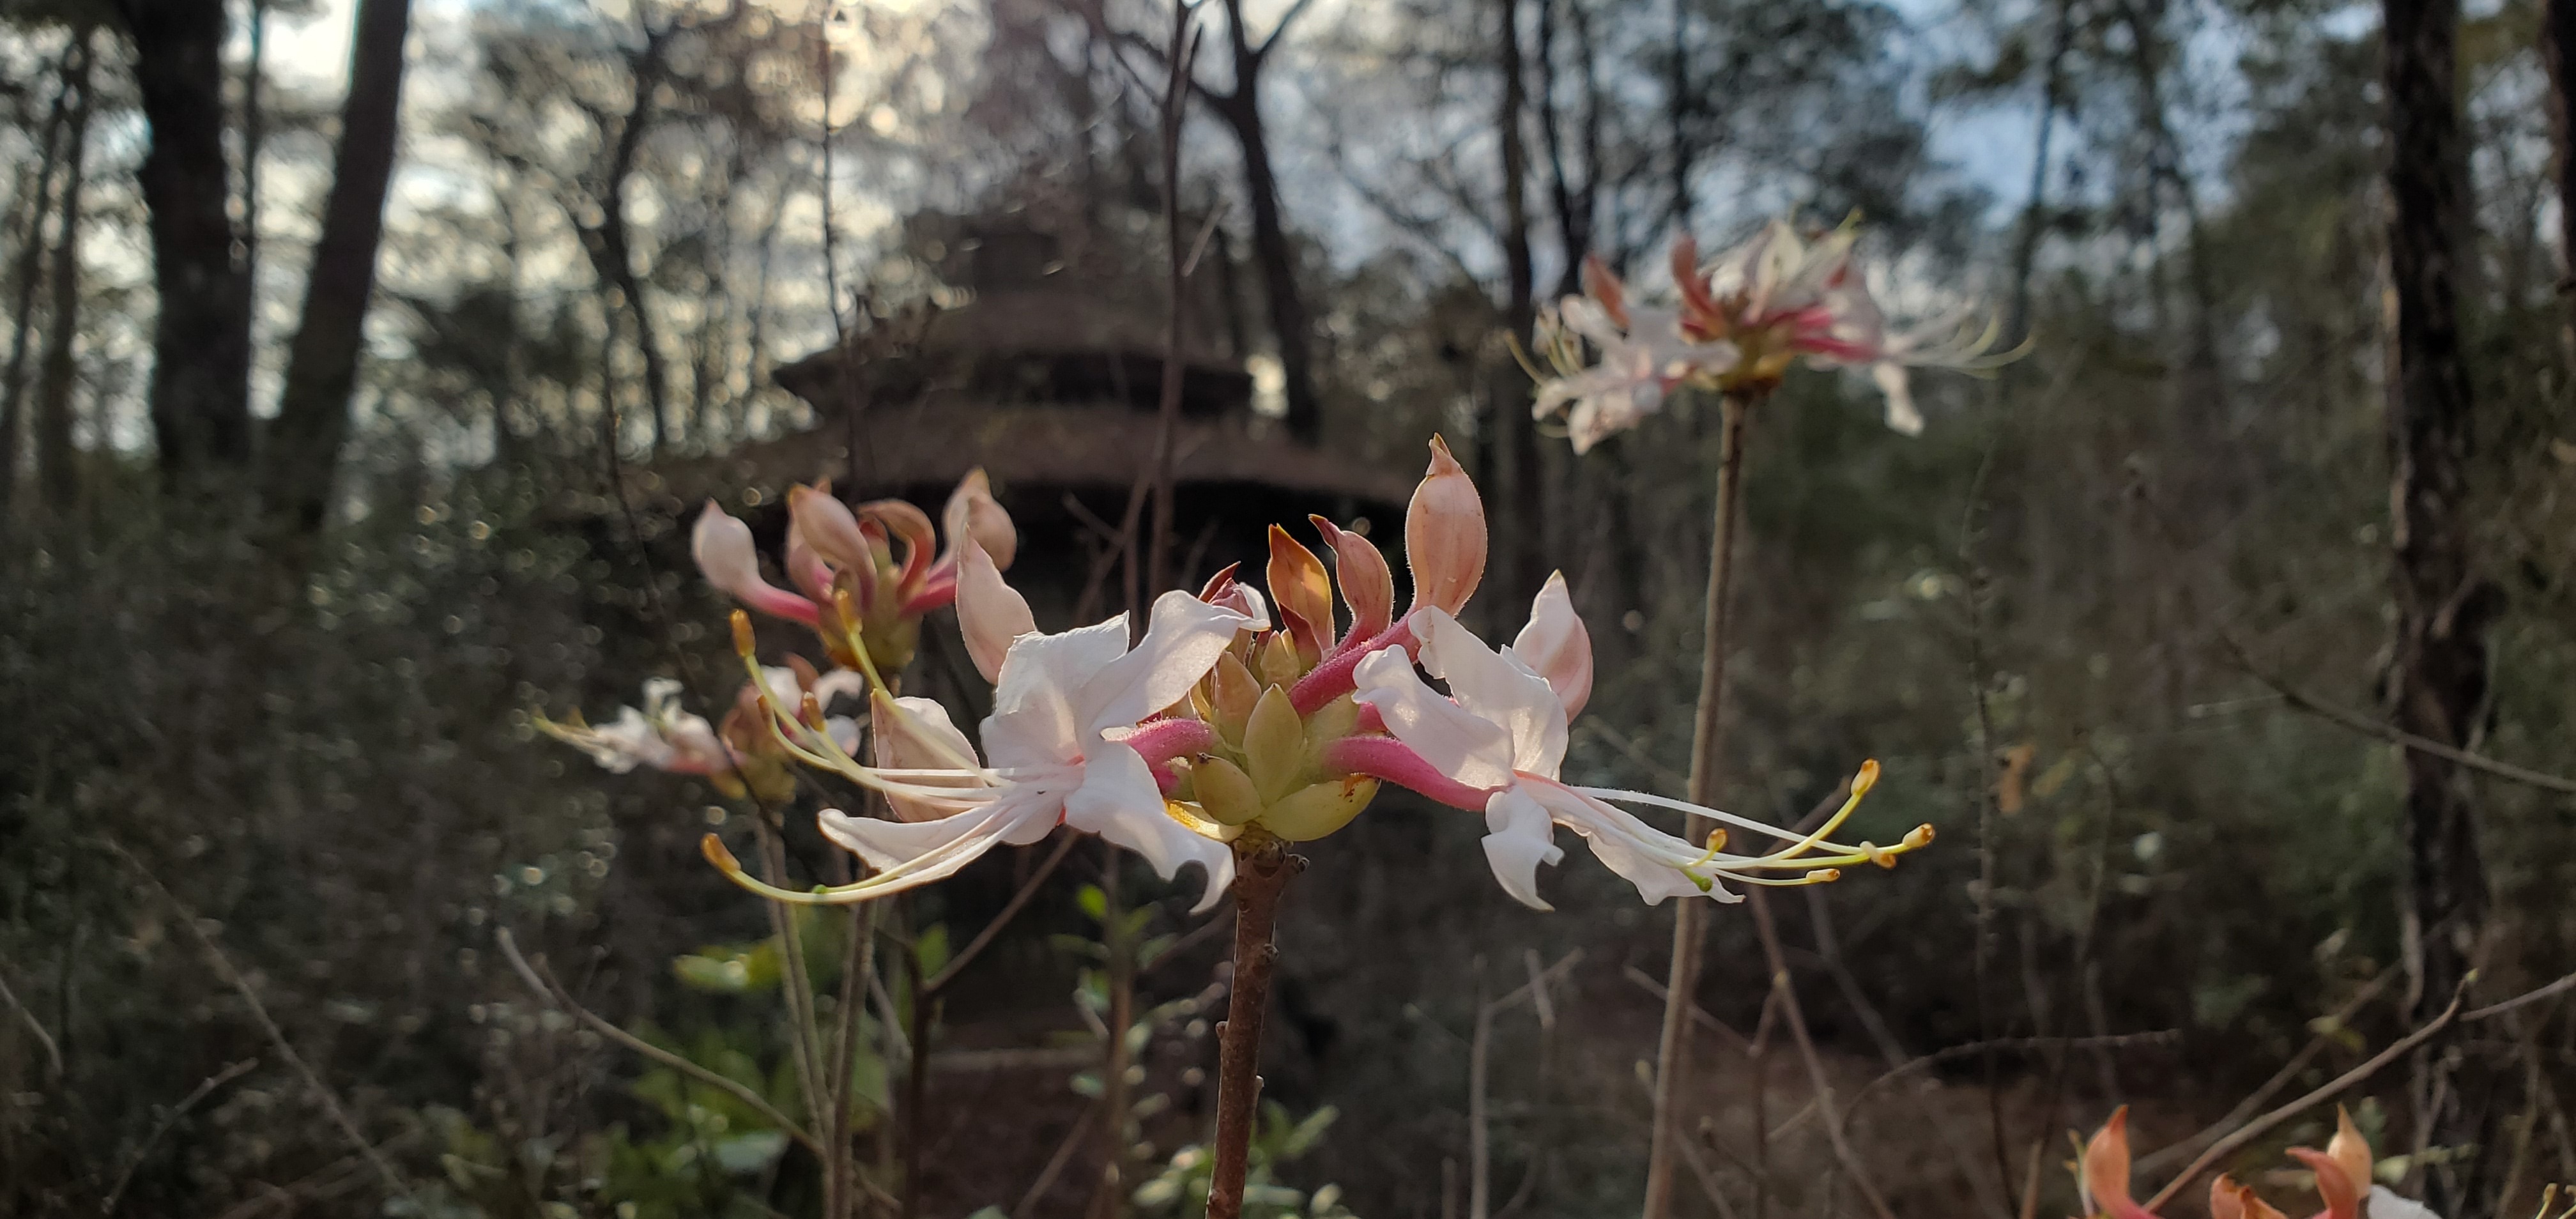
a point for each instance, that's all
(1768, 931)
(1953, 1053)
(2371, 726)
(2554, 989)
(2255, 1129)
(53, 1053)
(2254, 1102)
(1055, 1163)
(203, 1090)
(1010, 910)
(554, 993)
(259, 1011)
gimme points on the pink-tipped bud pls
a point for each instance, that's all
(1367, 587)
(722, 546)
(990, 613)
(973, 512)
(1304, 594)
(1556, 646)
(894, 518)
(1444, 534)
(829, 530)
(1603, 286)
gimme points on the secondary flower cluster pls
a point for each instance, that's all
(1238, 718)
(1736, 326)
(2343, 1175)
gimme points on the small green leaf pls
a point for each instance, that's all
(1093, 902)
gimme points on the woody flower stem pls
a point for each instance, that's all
(1690, 921)
(1262, 872)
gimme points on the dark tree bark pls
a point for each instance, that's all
(200, 395)
(1524, 490)
(56, 476)
(2437, 681)
(322, 363)
(2558, 53)
(1272, 249)
(2034, 211)
(23, 273)
(611, 244)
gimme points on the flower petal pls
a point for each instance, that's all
(1556, 646)
(1033, 720)
(1459, 744)
(916, 734)
(924, 851)
(990, 613)
(1119, 801)
(1180, 647)
(1444, 533)
(1902, 417)
(1519, 837)
(1645, 856)
(972, 512)
(1497, 688)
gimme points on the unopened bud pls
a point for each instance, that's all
(1224, 791)
(1444, 534)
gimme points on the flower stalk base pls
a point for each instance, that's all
(1262, 872)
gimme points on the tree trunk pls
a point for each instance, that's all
(2437, 681)
(2034, 211)
(1524, 498)
(200, 396)
(322, 365)
(55, 475)
(2558, 52)
(1271, 247)
(613, 246)
(22, 281)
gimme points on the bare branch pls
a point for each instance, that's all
(116, 1192)
(2255, 1129)
(2372, 726)
(554, 993)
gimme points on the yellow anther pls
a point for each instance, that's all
(1878, 854)
(1716, 843)
(743, 644)
(810, 710)
(1919, 837)
(1824, 876)
(1866, 779)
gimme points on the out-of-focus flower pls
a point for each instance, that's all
(1495, 744)
(865, 577)
(2102, 1176)
(1743, 319)
(1063, 747)
(1638, 354)
(737, 756)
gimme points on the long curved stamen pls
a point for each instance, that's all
(920, 870)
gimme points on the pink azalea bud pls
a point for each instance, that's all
(830, 530)
(1303, 593)
(722, 546)
(1444, 534)
(973, 512)
(1556, 646)
(990, 613)
(1366, 585)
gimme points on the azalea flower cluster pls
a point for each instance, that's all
(1236, 719)
(2344, 1180)
(1737, 325)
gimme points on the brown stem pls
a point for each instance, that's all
(1787, 991)
(1690, 921)
(916, 1087)
(1262, 871)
